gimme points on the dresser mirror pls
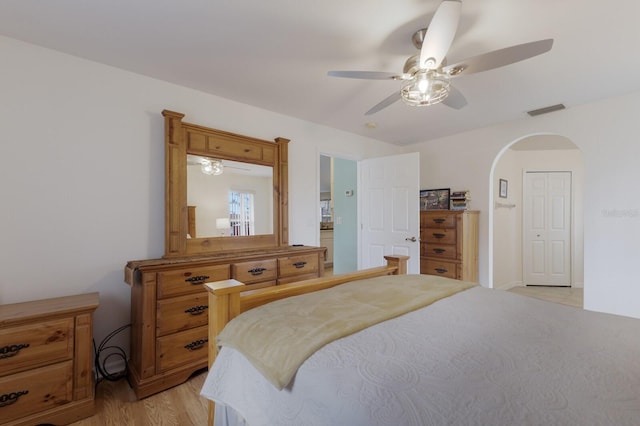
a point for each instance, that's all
(223, 191)
(228, 198)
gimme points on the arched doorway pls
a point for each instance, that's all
(509, 260)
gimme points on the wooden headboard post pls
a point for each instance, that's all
(224, 305)
(398, 261)
(226, 301)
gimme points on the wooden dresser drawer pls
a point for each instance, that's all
(255, 271)
(181, 313)
(440, 251)
(182, 348)
(36, 344)
(35, 391)
(439, 235)
(437, 220)
(189, 280)
(298, 265)
(261, 284)
(435, 267)
(296, 278)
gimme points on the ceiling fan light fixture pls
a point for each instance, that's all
(211, 167)
(427, 87)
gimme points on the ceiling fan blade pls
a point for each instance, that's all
(367, 75)
(440, 34)
(455, 99)
(499, 58)
(385, 103)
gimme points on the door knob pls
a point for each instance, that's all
(412, 239)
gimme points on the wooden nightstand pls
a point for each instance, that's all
(46, 360)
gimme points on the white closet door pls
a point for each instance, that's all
(547, 228)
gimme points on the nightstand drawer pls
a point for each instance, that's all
(36, 390)
(182, 313)
(298, 265)
(182, 348)
(255, 271)
(36, 344)
(189, 280)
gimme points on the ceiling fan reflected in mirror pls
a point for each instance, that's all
(215, 167)
(426, 78)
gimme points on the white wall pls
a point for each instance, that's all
(507, 221)
(82, 173)
(606, 132)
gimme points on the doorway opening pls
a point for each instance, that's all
(339, 213)
(521, 222)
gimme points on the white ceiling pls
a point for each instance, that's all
(275, 54)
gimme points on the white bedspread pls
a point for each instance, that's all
(480, 357)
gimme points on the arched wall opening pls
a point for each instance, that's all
(530, 153)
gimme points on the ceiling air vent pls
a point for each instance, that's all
(545, 110)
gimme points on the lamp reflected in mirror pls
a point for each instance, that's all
(223, 224)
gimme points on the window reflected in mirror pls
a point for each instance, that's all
(235, 200)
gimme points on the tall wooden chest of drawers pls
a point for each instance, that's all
(46, 361)
(449, 244)
(169, 312)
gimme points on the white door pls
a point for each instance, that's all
(390, 194)
(547, 228)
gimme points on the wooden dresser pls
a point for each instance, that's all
(169, 306)
(46, 361)
(449, 244)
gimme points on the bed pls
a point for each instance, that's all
(465, 355)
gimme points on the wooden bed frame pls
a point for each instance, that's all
(228, 298)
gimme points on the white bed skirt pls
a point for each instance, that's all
(227, 416)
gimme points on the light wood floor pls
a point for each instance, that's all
(565, 295)
(182, 405)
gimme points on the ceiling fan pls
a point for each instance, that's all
(426, 76)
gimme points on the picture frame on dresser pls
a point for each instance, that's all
(435, 199)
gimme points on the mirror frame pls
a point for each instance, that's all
(182, 138)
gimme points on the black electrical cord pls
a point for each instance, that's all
(100, 360)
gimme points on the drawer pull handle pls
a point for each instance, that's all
(196, 310)
(198, 279)
(439, 235)
(12, 350)
(299, 264)
(257, 271)
(439, 251)
(11, 398)
(439, 220)
(441, 270)
(196, 344)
